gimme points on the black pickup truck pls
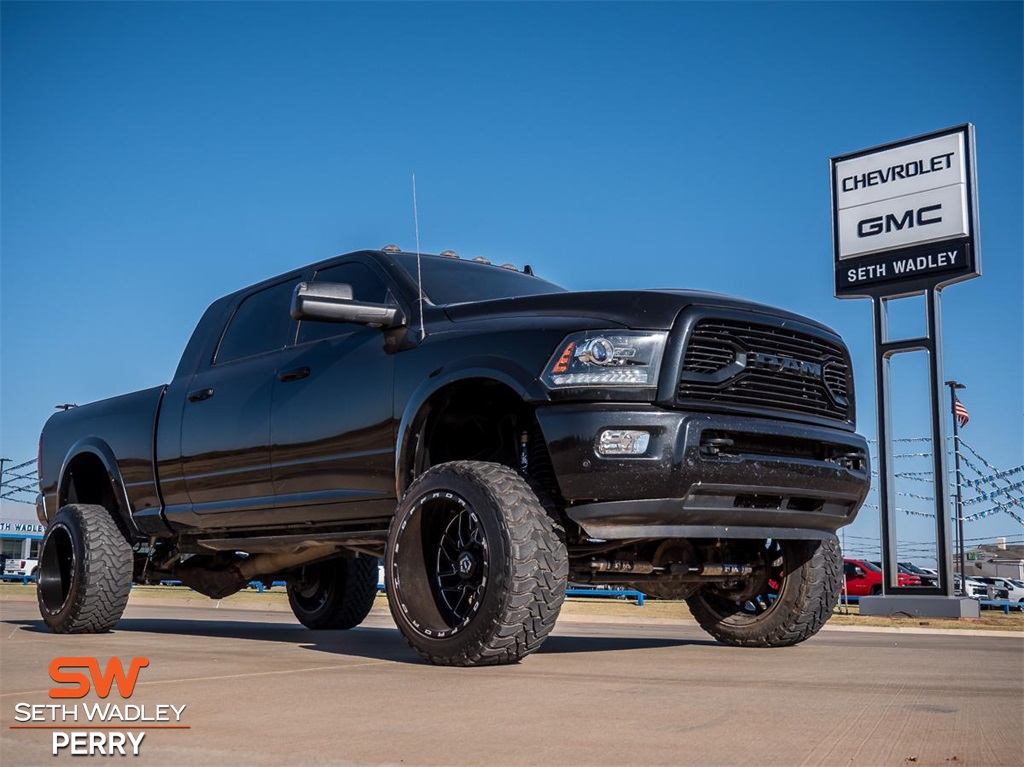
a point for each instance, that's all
(489, 434)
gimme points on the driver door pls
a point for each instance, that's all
(332, 418)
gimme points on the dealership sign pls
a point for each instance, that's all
(904, 215)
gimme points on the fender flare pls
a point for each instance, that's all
(101, 450)
(487, 368)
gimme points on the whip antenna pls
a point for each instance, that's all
(419, 266)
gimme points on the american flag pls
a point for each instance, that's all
(960, 413)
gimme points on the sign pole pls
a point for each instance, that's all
(885, 350)
(943, 537)
(886, 492)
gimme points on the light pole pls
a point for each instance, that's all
(953, 387)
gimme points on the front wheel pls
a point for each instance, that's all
(335, 594)
(788, 598)
(476, 568)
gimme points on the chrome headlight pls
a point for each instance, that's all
(606, 358)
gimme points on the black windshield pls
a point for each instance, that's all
(453, 281)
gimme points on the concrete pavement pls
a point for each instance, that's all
(261, 690)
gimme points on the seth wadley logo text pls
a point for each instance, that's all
(92, 729)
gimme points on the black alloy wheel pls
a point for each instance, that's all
(334, 594)
(84, 571)
(462, 562)
(476, 568)
(788, 598)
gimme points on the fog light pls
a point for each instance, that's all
(623, 442)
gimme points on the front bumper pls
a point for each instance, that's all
(705, 475)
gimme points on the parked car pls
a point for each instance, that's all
(864, 578)
(21, 567)
(1017, 592)
(908, 570)
(998, 588)
(927, 578)
(975, 588)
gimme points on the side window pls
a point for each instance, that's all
(259, 324)
(366, 287)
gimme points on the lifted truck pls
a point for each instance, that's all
(491, 441)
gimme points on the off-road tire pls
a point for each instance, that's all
(519, 574)
(85, 571)
(335, 594)
(805, 599)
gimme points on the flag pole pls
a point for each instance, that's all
(953, 386)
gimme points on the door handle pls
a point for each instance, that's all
(293, 375)
(199, 395)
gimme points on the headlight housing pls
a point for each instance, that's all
(610, 358)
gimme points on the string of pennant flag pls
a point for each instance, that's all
(904, 439)
(977, 455)
(979, 484)
(985, 495)
(18, 485)
(998, 508)
(990, 485)
(911, 512)
(926, 476)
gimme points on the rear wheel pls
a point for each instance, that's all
(476, 568)
(336, 594)
(84, 572)
(788, 598)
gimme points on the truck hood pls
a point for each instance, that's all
(640, 309)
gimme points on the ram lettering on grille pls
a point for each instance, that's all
(752, 365)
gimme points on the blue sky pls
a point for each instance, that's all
(156, 156)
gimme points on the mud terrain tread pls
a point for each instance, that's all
(356, 589)
(798, 614)
(105, 573)
(533, 597)
(360, 593)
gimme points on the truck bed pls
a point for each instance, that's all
(127, 423)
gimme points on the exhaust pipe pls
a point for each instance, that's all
(220, 583)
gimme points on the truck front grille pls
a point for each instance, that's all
(749, 365)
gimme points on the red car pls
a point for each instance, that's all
(864, 579)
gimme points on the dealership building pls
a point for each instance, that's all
(20, 531)
(997, 560)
